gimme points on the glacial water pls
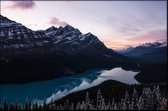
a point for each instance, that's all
(60, 87)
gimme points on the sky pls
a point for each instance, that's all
(118, 24)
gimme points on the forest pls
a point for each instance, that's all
(136, 97)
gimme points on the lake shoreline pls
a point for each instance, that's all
(59, 87)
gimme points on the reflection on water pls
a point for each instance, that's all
(120, 75)
(57, 88)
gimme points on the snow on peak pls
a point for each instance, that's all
(163, 44)
(149, 45)
(61, 36)
(5, 22)
(51, 28)
(68, 28)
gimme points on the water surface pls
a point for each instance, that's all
(57, 88)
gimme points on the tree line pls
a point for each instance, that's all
(148, 99)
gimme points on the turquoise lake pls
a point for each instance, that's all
(60, 87)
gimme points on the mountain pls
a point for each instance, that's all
(16, 36)
(149, 52)
(152, 58)
(27, 55)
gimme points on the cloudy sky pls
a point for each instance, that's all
(119, 24)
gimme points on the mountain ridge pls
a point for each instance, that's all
(51, 53)
(148, 52)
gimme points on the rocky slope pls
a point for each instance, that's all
(27, 55)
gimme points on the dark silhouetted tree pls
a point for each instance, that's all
(5, 104)
(12, 107)
(27, 104)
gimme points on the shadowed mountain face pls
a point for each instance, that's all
(27, 55)
(152, 58)
(149, 52)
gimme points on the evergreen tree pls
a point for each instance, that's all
(18, 106)
(78, 106)
(140, 103)
(149, 101)
(157, 96)
(72, 106)
(123, 104)
(12, 107)
(35, 106)
(108, 107)
(5, 105)
(112, 104)
(134, 99)
(87, 101)
(144, 96)
(127, 100)
(66, 105)
(61, 107)
(40, 107)
(27, 104)
(1, 107)
(44, 104)
(99, 100)
(115, 107)
(83, 106)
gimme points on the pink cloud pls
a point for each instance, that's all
(29, 4)
(57, 22)
(152, 36)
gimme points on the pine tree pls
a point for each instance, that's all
(61, 107)
(87, 101)
(18, 106)
(134, 99)
(155, 101)
(12, 107)
(99, 100)
(35, 106)
(140, 103)
(112, 104)
(78, 106)
(144, 96)
(72, 106)
(149, 101)
(54, 107)
(66, 105)
(127, 100)
(83, 106)
(1, 107)
(115, 106)
(92, 107)
(40, 107)
(27, 104)
(5, 105)
(44, 105)
(163, 104)
(108, 107)
(103, 104)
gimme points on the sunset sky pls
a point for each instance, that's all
(119, 24)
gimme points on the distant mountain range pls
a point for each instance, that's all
(27, 55)
(149, 52)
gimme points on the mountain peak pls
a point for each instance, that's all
(51, 28)
(5, 22)
(149, 45)
(5, 19)
(89, 34)
(69, 28)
